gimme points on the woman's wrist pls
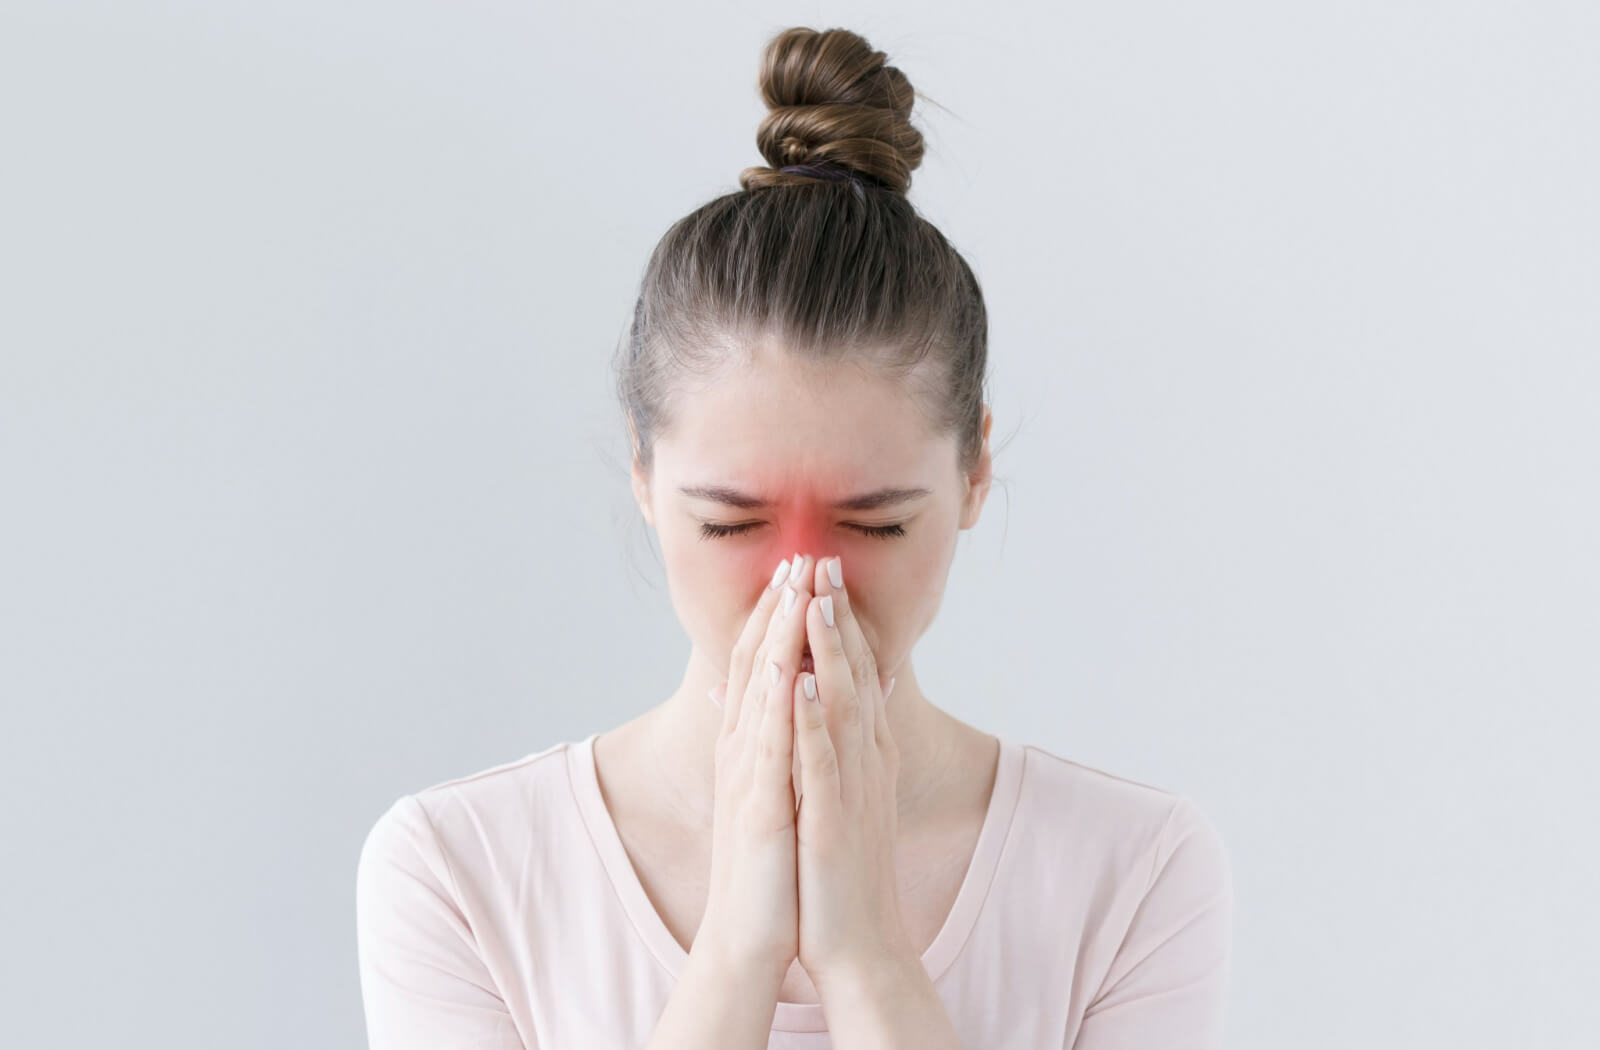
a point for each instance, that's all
(724, 956)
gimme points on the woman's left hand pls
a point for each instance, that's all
(849, 896)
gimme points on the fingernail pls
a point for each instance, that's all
(811, 687)
(827, 608)
(889, 690)
(835, 572)
(789, 595)
(779, 573)
(796, 568)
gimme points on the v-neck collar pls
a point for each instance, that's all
(797, 1017)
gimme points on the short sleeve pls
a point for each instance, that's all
(1167, 984)
(423, 983)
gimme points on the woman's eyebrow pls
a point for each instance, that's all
(884, 497)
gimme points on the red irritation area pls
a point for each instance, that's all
(800, 524)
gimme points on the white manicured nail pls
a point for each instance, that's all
(795, 570)
(835, 572)
(789, 595)
(827, 608)
(779, 573)
(811, 687)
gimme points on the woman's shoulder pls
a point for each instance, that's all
(511, 776)
(1138, 874)
(486, 811)
(1087, 808)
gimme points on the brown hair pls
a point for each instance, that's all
(826, 268)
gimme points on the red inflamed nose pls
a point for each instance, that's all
(802, 526)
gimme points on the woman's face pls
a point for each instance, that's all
(783, 456)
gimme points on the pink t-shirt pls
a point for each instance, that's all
(499, 911)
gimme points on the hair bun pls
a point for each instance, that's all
(833, 101)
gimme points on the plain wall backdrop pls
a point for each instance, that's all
(315, 493)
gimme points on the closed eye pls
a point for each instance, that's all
(710, 530)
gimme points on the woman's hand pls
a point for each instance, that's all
(849, 895)
(752, 907)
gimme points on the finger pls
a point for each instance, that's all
(786, 634)
(785, 637)
(863, 663)
(775, 757)
(819, 763)
(841, 702)
(746, 648)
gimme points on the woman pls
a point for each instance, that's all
(818, 855)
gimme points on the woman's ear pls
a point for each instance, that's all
(978, 481)
(641, 494)
(641, 482)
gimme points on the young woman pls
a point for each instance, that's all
(798, 849)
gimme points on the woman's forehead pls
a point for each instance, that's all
(801, 465)
(798, 426)
(777, 430)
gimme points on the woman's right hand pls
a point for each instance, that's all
(753, 905)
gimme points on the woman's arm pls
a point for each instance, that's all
(1167, 984)
(423, 983)
(719, 1001)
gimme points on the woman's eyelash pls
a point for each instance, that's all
(709, 530)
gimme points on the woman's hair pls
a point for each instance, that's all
(830, 269)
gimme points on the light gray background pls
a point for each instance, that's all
(314, 491)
